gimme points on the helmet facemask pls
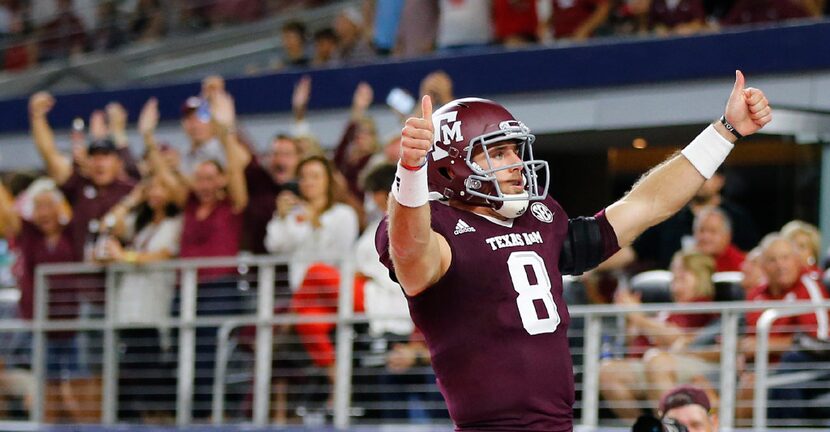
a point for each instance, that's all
(483, 183)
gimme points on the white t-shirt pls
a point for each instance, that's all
(305, 245)
(145, 296)
(464, 22)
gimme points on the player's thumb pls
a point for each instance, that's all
(426, 108)
(738, 88)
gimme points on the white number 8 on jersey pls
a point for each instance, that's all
(517, 263)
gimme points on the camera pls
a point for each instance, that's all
(647, 423)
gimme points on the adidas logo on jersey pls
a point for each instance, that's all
(461, 227)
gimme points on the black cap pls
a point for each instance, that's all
(101, 146)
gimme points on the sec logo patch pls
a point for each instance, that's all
(541, 212)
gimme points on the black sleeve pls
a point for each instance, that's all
(589, 242)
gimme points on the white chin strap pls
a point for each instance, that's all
(513, 208)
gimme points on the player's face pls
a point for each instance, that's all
(694, 417)
(781, 264)
(711, 235)
(511, 181)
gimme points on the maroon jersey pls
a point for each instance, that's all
(496, 323)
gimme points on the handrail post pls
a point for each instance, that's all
(759, 405)
(187, 348)
(728, 372)
(109, 400)
(590, 374)
(220, 371)
(264, 344)
(345, 336)
(39, 346)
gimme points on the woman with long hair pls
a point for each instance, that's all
(315, 226)
(315, 230)
(149, 224)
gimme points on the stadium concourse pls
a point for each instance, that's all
(190, 194)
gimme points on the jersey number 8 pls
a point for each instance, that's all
(520, 264)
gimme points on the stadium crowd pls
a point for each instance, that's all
(218, 197)
(39, 31)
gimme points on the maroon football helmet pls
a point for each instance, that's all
(465, 127)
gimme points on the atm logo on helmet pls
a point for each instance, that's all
(447, 129)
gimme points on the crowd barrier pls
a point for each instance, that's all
(228, 352)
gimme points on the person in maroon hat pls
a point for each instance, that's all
(690, 406)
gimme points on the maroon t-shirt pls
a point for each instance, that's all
(35, 250)
(89, 202)
(262, 201)
(568, 15)
(496, 323)
(346, 165)
(217, 235)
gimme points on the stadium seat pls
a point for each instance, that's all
(654, 286)
(728, 286)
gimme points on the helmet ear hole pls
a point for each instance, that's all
(445, 173)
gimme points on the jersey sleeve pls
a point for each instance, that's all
(382, 246)
(589, 242)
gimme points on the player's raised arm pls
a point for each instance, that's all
(420, 255)
(669, 186)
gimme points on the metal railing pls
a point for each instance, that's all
(730, 312)
(263, 318)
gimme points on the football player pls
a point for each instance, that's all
(482, 262)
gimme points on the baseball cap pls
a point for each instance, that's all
(684, 395)
(101, 146)
(190, 105)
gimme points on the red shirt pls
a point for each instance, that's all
(17, 58)
(33, 251)
(568, 15)
(515, 18)
(806, 288)
(217, 235)
(730, 260)
(89, 202)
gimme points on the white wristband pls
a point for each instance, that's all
(708, 151)
(410, 188)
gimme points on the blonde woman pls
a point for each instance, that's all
(807, 241)
(663, 338)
